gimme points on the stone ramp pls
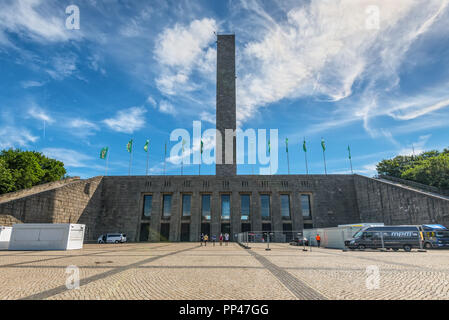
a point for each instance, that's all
(36, 189)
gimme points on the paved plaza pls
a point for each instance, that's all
(188, 271)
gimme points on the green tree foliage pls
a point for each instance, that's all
(6, 180)
(24, 169)
(430, 168)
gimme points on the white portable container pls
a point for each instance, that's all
(43, 236)
(335, 237)
(5, 235)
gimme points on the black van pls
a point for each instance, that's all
(389, 237)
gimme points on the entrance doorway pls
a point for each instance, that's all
(165, 231)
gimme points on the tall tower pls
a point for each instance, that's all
(226, 164)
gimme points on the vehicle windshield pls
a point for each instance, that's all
(443, 234)
(358, 234)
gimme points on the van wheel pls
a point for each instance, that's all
(407, 248)
(428, 245)
(116, 241)
(361, 247)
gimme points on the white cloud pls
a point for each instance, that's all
(70, 158)
(62, 67)
(182, 49)
(31, 84)
(128, 120)
(166, 107)
(39, 114)
(151, 101)
(81, 127)
(13, 137)
(34, 19)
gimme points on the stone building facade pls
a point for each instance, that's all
(180, 208)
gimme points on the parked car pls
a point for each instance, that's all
(389, 237)
(112, 238)
(299, 242)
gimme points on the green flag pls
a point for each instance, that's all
(146, 146)
(349, 150)
(304, 145)
(323, 144)
(269, 147)
(104, 153)
(165, 149)
(286, 144)
(129, 146)
(202, 146)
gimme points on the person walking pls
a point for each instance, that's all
(221, 239)
(214, 239)
(318, 239)
(206, 238)
(201, 239)
(226, 238)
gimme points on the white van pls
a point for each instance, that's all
(112, 238)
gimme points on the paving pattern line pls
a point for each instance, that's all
(297, 287)
(55, 291)
(57, 257)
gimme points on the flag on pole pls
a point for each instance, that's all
(104, 153)
(269, 147)
(129, 146)
(183, 144)
(286, 145)
(146, 146)
(202, 146)
(349, 150)
(323, 144)
(304, 147)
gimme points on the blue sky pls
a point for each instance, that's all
(140, 69)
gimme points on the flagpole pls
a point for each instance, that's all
(350, 159)
(130, 161)
(288, 163)
(107, 160)
(307, 167)
(165, 156)
(148, 158)
(324, 157)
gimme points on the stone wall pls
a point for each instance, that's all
(7, 220)
(381, 201)
(76, 202)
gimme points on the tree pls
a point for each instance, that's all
(430, 168)
(6, 180)
(25, 169)
(433, 171)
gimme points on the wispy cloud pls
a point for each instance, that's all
(70, 158)
(13, 137)
(128, 120)
(35, 19)
(38, 113)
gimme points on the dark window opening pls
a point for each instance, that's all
(185, 232)
(165, 231)
(144, 232)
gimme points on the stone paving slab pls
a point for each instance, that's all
(189, 271)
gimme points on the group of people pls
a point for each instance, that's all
(221, 238)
